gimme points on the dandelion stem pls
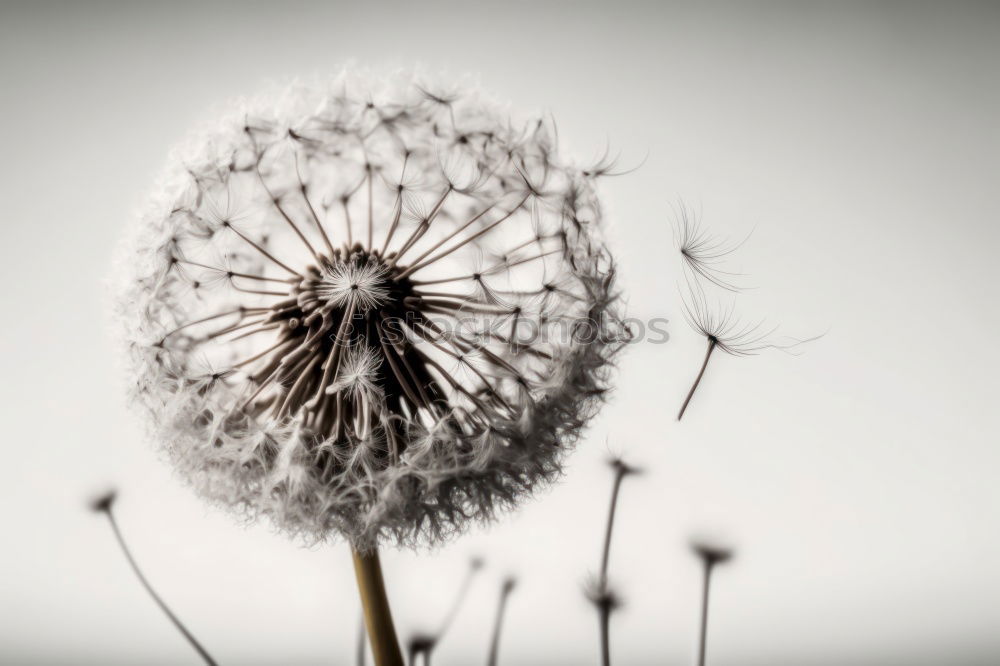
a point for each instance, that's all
(454, 233)
(508, 586)
(371, 213)
(260, 249)
(347, 221)
(397, 206)
(709, 556)
(711, 347)
(619, 475)
(312, 211)
(360, 647)
(456, 605)
(156, 597)
(604, 618)
(378, 617)
(709, 564)
(422, 228)
(427, 262)
(424, 644)
(604, 599)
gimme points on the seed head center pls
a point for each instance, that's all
(362, 282)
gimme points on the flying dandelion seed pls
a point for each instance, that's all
(370, 310)
(702, 253)
(723, 330)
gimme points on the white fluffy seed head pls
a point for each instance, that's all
(360, 284)
(359, 373)
(363, 309)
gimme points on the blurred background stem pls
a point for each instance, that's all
(710, 556)
(706, 582)
(149, 588)
(505, 590)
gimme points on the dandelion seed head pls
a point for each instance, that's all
(711, 553)
(621, 468)
(421, 644)
(600, 593)
(104, 502)
(371, 309)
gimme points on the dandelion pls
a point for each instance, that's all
(373, 310)
(723, 330)
(598, 590)
(104, 504)
(505, 589)
(710, 556)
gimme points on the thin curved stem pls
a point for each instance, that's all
(456, 605)
(711, 347)
(156, 597)
(378, 616)
(606, 553)
(605, 603)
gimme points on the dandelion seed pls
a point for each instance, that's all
(607, 165)
(104, 503)
(723, 330)
(702, 253)
(358, 375)
(326, 385)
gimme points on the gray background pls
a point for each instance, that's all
(857, 481)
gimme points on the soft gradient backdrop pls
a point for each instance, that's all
(857, 481)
